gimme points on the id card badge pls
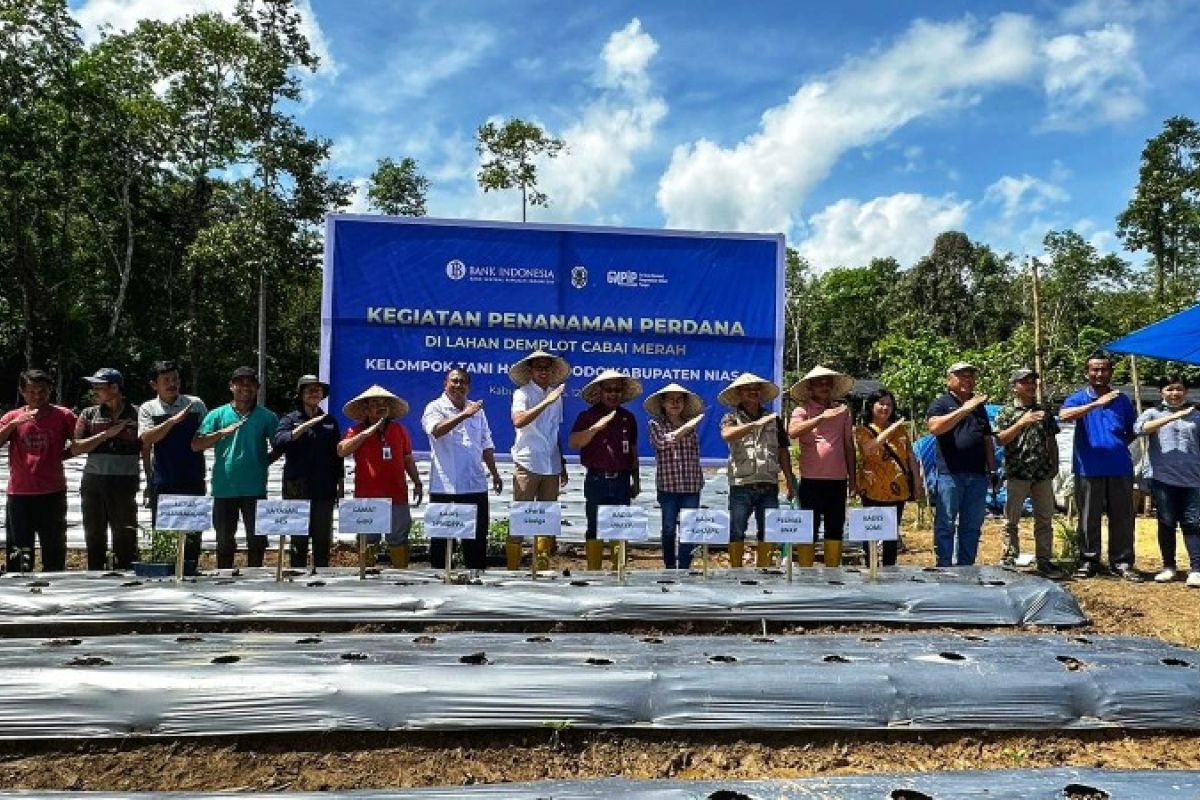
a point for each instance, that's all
(387, 452)
(625, 446)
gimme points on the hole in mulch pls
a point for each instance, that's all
(315, 583)
(909, 794)
(728, 794)
(225, 582)
(947, 655)
(762, 640)
(309, 640)
(973, 638)
(474, 658)
(722, 659)
(63, 642)
(1081, 640)
(424, 640)
(226, 659)
(599, 662)
(38, 584)
(1176, 662)
(129, 583)
(89, 661)
(871, 639)
(580, 583)
(836, 583)
(1072, 663)
(835, 659)
(748, 583)
(652, 640)
(539, 640)
(113, 574)
(293, 573)
(994, 583)
(1081, 791)
(354, 656)
(189, 639)
(930, 569)
(665, 580)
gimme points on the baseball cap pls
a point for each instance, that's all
(244, 372)
(1021, 374)
(962, 366)
(106, 375)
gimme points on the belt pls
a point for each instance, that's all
(595, 473)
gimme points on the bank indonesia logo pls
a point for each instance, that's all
(579, 277)
(456, 270)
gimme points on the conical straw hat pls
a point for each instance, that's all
(842, 384)
(591, 392)
(729, 395)
(357, 408)
(692, 405)
(520, 373)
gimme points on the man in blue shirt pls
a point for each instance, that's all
(1103, 469)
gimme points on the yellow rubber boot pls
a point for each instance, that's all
(399, 554)
(806, 554)
(737, 554)
(512, 552)
(762, 555)
(833, 552)
(543, 547)
(594, 549)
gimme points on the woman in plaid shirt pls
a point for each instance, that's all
(674, 414)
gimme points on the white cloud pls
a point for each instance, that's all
(757, 183)
(903, 226)
(1028, 207)
(419, 65)
(1023, 196)
(1092, 77)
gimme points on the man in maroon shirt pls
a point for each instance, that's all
(606, 437)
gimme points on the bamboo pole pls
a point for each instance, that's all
(1037, 329)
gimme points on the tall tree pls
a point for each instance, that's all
(1164, 215)
(511, 151)
(398, 188)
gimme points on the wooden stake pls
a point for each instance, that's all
(449, 557)
(787, 553)
(179, 545)
(1137, 385)
(873, 558)
(1037, 328)
(704, 560)
(362, 557)
(279, 564)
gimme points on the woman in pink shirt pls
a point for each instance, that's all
(822, 428)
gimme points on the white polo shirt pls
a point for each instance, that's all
(456, 463)
(536, 447)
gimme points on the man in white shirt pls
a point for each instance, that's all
(460, 444)
(539, 469)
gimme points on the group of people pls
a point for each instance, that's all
(839, 458)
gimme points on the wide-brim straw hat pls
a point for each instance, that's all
(729, 395)
(692, 405)
(842, 384)
(520, 373)
(591, 392)
(357, 408)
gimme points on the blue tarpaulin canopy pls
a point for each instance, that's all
(1176, 338)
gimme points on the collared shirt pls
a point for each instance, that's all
(536, 445)
(240, 465)
(36, 450)
(823, 449)
(175, 463)
(961, 450)
(1174, 448)
(1102, 436)
(311, 458)
(376, 476)
(456, 463)
(120, 455)
(1032, 455)
(677, 458)
(614, 447)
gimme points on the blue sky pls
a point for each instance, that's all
(859, 129)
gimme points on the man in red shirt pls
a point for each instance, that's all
(382, 451)
(37, 436)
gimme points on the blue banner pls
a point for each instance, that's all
(406, 300)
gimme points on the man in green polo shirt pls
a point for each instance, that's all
(241, 433)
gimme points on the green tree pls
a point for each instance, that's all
(398, 188)
(510, 153)
(1164, 215)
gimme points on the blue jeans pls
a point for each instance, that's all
(755, 498)
(672, 503)
(1177, 505)
(958, 512)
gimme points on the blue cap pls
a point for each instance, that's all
(107, 375)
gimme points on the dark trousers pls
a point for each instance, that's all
(827, 500)
(320, 531)
(1114, 497)
(888, 549)
(225, 520)
(474, 550)
(1177, 506)
(109, 502)
(43, 516)
(191, 544)
(604, 489)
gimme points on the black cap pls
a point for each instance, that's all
(244, 372)
(107, 375)
(311, 380)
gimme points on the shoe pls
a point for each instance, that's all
(1050, 570)
(1167, 575)
(1193, 580)
(1128, 573)
(1086, 569)
(1009, 559)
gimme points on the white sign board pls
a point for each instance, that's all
(789, 525)
(621, 522)
(450, 520)
(703, 526)
(281, 517)
(365, 515)
(535, 518)
(177, 512)
(872, 524)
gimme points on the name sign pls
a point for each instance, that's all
(281, 517)
(703, 526)
(789, 525)
(365, 515)
(535, 518)
(177, 512)
(872, 524)
(621, 522)
(450, 520)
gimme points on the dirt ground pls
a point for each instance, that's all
(349, 761)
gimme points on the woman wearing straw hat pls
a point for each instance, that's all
(758, 451)
(382, 451)
(674, 414)
(313, 470)
(539, 469)
(821, 426)
(605, 434)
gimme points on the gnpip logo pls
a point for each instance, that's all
(456, 270)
